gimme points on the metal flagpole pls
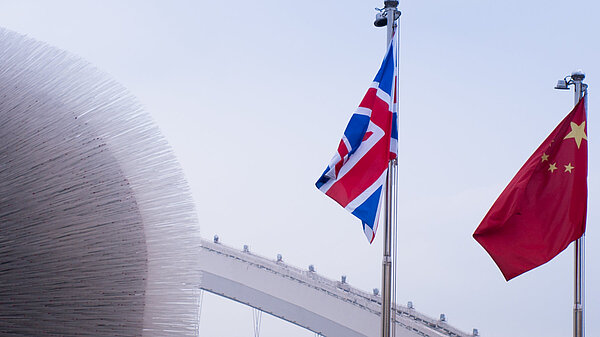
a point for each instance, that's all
(578, 319)
(576, 79)
(387, 17)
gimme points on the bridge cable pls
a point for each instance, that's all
(200, 301)
(256, 320)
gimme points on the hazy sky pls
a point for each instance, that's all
(254, 97)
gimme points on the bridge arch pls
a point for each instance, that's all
(330, 308)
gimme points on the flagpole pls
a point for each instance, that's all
(576, 79)
(387, 17)
(578, 318)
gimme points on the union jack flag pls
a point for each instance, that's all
(357, 173)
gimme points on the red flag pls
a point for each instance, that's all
(543, 208)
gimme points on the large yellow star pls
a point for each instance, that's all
(577, 132)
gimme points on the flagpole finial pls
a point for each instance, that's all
(578, 75)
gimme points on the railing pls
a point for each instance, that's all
(261, 275)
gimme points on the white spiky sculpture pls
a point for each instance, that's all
(98, 233)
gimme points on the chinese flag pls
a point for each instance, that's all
(543, 208)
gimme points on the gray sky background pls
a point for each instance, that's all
(254, 97)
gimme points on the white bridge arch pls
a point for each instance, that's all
(330, 308)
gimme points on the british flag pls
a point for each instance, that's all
(356, 176)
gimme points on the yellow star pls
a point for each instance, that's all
(552, 167)
(544, 157)
(577, 132)
(568, 168)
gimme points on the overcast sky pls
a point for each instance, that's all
(254, 97)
